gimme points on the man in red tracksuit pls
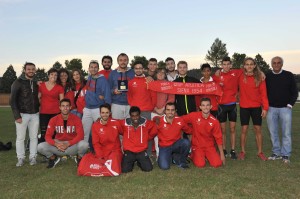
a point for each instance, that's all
(206, 131)
(171, 145)
(107, 147)
(136, 132)
(68, 138)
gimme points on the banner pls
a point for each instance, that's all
(180, 88)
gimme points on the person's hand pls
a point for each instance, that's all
(116, 92)
(59, 146)
(223, 158)
(19, 120)
(101, 97)
(264, 113)
(149, 79)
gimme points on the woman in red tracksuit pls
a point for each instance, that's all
(253, 103)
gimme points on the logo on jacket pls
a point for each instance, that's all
(233, 74)
(179, 123)
(101, 131)
(210, 123)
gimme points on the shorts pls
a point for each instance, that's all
(227, 110)
(254, 113)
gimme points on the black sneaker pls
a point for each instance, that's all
(183, 166)
(233, 155)
(53, 162)
(286, 159)
(225, 153)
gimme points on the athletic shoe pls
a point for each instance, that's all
(233, 155)
(32, 161)
(225, 153)
(77, 160)
(262, 156)
(53, 162)
(242, 156)
(64, 158)
(183, 166)
(20, 162)
(286, 159)
(274, 157)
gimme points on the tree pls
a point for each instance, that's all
(7, 80)
(262, 64)
(40, 75)
(216, 53)
(57, 65)
(238, 60)
(161, 64)
(141, 59)
(74, 63)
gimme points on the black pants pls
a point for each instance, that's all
(44, 120)
(142, 159)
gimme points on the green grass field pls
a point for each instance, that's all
(251, 178)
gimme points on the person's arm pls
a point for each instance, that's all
(50, 131)
(217, 133)
(264, 99)
(152, 129)
(106, 91)
(222, 156)
(186, 128)
(79, 130)
(14, 101)
(293, 91)
(96, 140)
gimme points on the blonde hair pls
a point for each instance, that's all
(256, 71)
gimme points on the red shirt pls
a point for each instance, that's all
(252, 96)
(206, 131)
(105, 73)
(169, 133)
(229, 82)
(69, 94)
(73, 133)
(80, 103)
(50, 98)
(106, 137)
(213, 98)
(136, 140)
(139, 95)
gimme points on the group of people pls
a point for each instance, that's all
(115, 115)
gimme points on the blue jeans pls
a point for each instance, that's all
(282, 116)
(179, 151)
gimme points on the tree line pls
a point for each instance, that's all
(214, 57)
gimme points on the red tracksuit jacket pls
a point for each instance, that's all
(139, 95)
(206, 131)
(252, 96)
(73, 133)
(105, 137)
(229, 83)
(136, 140)
(168, 133)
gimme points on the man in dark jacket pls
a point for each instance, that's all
(25, 106)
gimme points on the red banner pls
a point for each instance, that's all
(180, 88)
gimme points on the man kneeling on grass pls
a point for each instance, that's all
(206, 131)
(171, 146)
(68, 138)
(137, 131)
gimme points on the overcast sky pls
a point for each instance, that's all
(44, 32)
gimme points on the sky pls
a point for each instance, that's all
(44, 32)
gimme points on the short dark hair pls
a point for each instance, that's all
(152, 59)
(226, 59)
(65, 100)
(94, 62)
(205, 99)
(137, 62)
(28, 64)
(105, 105)
(206, 65)
(107, 57)
(134, 109)
(122, 55)
(170, 59)
(170, 104)
(52, 70)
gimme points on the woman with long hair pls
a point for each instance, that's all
(78, 86)
(253, 104)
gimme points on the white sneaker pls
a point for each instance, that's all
(32, 161)
(20, 162)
